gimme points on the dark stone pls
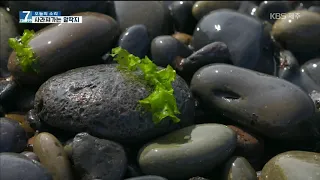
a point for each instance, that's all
(95, 158)
(249, 44)
(181, 12)
(153, 14)
(258, 101)
(165, 49)
(216, 52)
(147, 177)
(16, 166)
(13, 136)
(102, 101)
(268, 8)
(248, 8)
(135, 40)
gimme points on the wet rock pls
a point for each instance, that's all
(250, 46)
(284, 166)
(102, 101)
(239, 168)
(52, 156)
(147, 177)
(268, 8)
(216, 52)
(16, 166)
(205, 146)
(21, 118)
(256, 104)
(314, 9)
(248, 7)
(13, 137)
(198, 178)
(152, 14)
(135, 40)
(107, 160)
(8, 30)
(202, 8)
(49, 46)
(133, 170)
(8, 91)
(300, 34)
(312, 69)
(164, 50)
(249, 146)
(181, 12)
(183, 38)
(67, 8)
(30, 155)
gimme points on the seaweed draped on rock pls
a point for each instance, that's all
(103, 101)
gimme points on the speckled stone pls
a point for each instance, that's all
(102, 101)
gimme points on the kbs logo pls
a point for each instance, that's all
(289, 16)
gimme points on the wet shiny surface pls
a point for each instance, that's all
(252, 99)
(292, 165)
(238, 168)
(182, 153)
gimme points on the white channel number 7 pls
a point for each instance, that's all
(27, 12)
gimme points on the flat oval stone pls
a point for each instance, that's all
(258, 101)
(300, 34)
(153, 14)
(312, 69)
(135, 40)
(292, 165)
(8, 30)
(16, 166)
(102, 101)
(202, 8)
(183, 38)
(249, 44)
(107, 160)
(239, 168)
(187, 152)
(52, 156)
(13, 136)
(165, 49)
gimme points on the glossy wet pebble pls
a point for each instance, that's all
(249, 45)
(95, 158)
(202, 8)
(188, 152)
(239, 168)
(147, 177)
(165, 49)
(16, 166)
(8, 30)
(13, 136)
(312, 69)
(268, 8)
(252, 99)
(183, 38)
(216, 52)
(292, 165)
(135, 40)
(248, 7)
(181, 12)
(102, 101)
(153, 14)
(299, 34)
(52, 156)
(54, 47)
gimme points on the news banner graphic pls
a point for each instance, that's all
(47, 17)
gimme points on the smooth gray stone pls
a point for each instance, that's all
(187, 152)
(267, 104)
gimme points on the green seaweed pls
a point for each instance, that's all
(24, 54)
(161, 102)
